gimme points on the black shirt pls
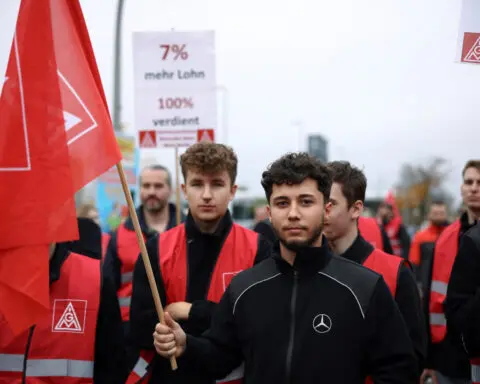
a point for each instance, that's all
(407, 298)
(202, 253)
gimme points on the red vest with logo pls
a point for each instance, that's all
(61, 347)
(475, 363)
(237, 254)
(392, 229)
(446, 248)
(386, 265)
(370, 231)
(127, 252)
(105, 241)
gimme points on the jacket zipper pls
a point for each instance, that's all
(293, 304)
(27, 351)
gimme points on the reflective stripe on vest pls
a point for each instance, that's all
(370, 231)
(62, 343)
(47, 367)
(386, 265)
(444, 255)
(127, 252)
(475, 363)
(140, 372)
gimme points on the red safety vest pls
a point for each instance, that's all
(127, 252)
(237, 254)
(475, 363)
(62, 345)
(446, 248)
(392, 229)
(386, 265)
(105, 241)
(370, 231)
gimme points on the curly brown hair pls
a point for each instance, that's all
(209, 158)
(295, 168)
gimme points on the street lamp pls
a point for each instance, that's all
(117, 86)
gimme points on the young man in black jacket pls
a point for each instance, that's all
(305, 315)
(341, 229)
(463, 297)
(193, 263)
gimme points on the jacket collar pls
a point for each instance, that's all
(194, 232)
(308, 260)
(358, 251)
(172, 220)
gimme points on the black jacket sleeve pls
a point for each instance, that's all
(217, 352)
(390, 355)
(387, 245)
(462, 305)
(409, 303)
(143, 315)
(201, 311)
(110, 357)
(404, 239)
(112, 266)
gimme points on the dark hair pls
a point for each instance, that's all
(438, 202)
(294, 168)
(157, 167)
(352, 180)
(471, 164)
(207, 157)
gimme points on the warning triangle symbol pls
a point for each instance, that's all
(473, 55)
(148, 140)
(205, 136)
(69, 320)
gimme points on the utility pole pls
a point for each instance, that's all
(117, 82)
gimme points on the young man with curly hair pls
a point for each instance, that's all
(194, 263)
(304, 315)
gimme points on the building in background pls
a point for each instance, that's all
(318, 147)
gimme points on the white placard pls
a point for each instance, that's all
(175, 85)
(8, 20)
(468, 44)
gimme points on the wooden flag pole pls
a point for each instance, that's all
(177, 185)
(143, 252)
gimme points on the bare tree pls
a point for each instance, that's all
(419, 185)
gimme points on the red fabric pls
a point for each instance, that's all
(370, 231)
(67, 331)
(45, 159)
(386, 265)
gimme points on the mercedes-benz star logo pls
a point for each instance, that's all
(322, 323)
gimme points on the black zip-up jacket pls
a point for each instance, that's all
(462, 306)
(110, 358)
(323, 320)
(202, 253)
(407, 298)
(449, 356)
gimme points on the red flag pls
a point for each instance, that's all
(92, 143)
(55, 137)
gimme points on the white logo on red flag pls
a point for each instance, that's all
(18, 160)
(78, 119)
(471, 48)
(73, 315)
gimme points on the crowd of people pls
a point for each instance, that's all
(315, 292)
